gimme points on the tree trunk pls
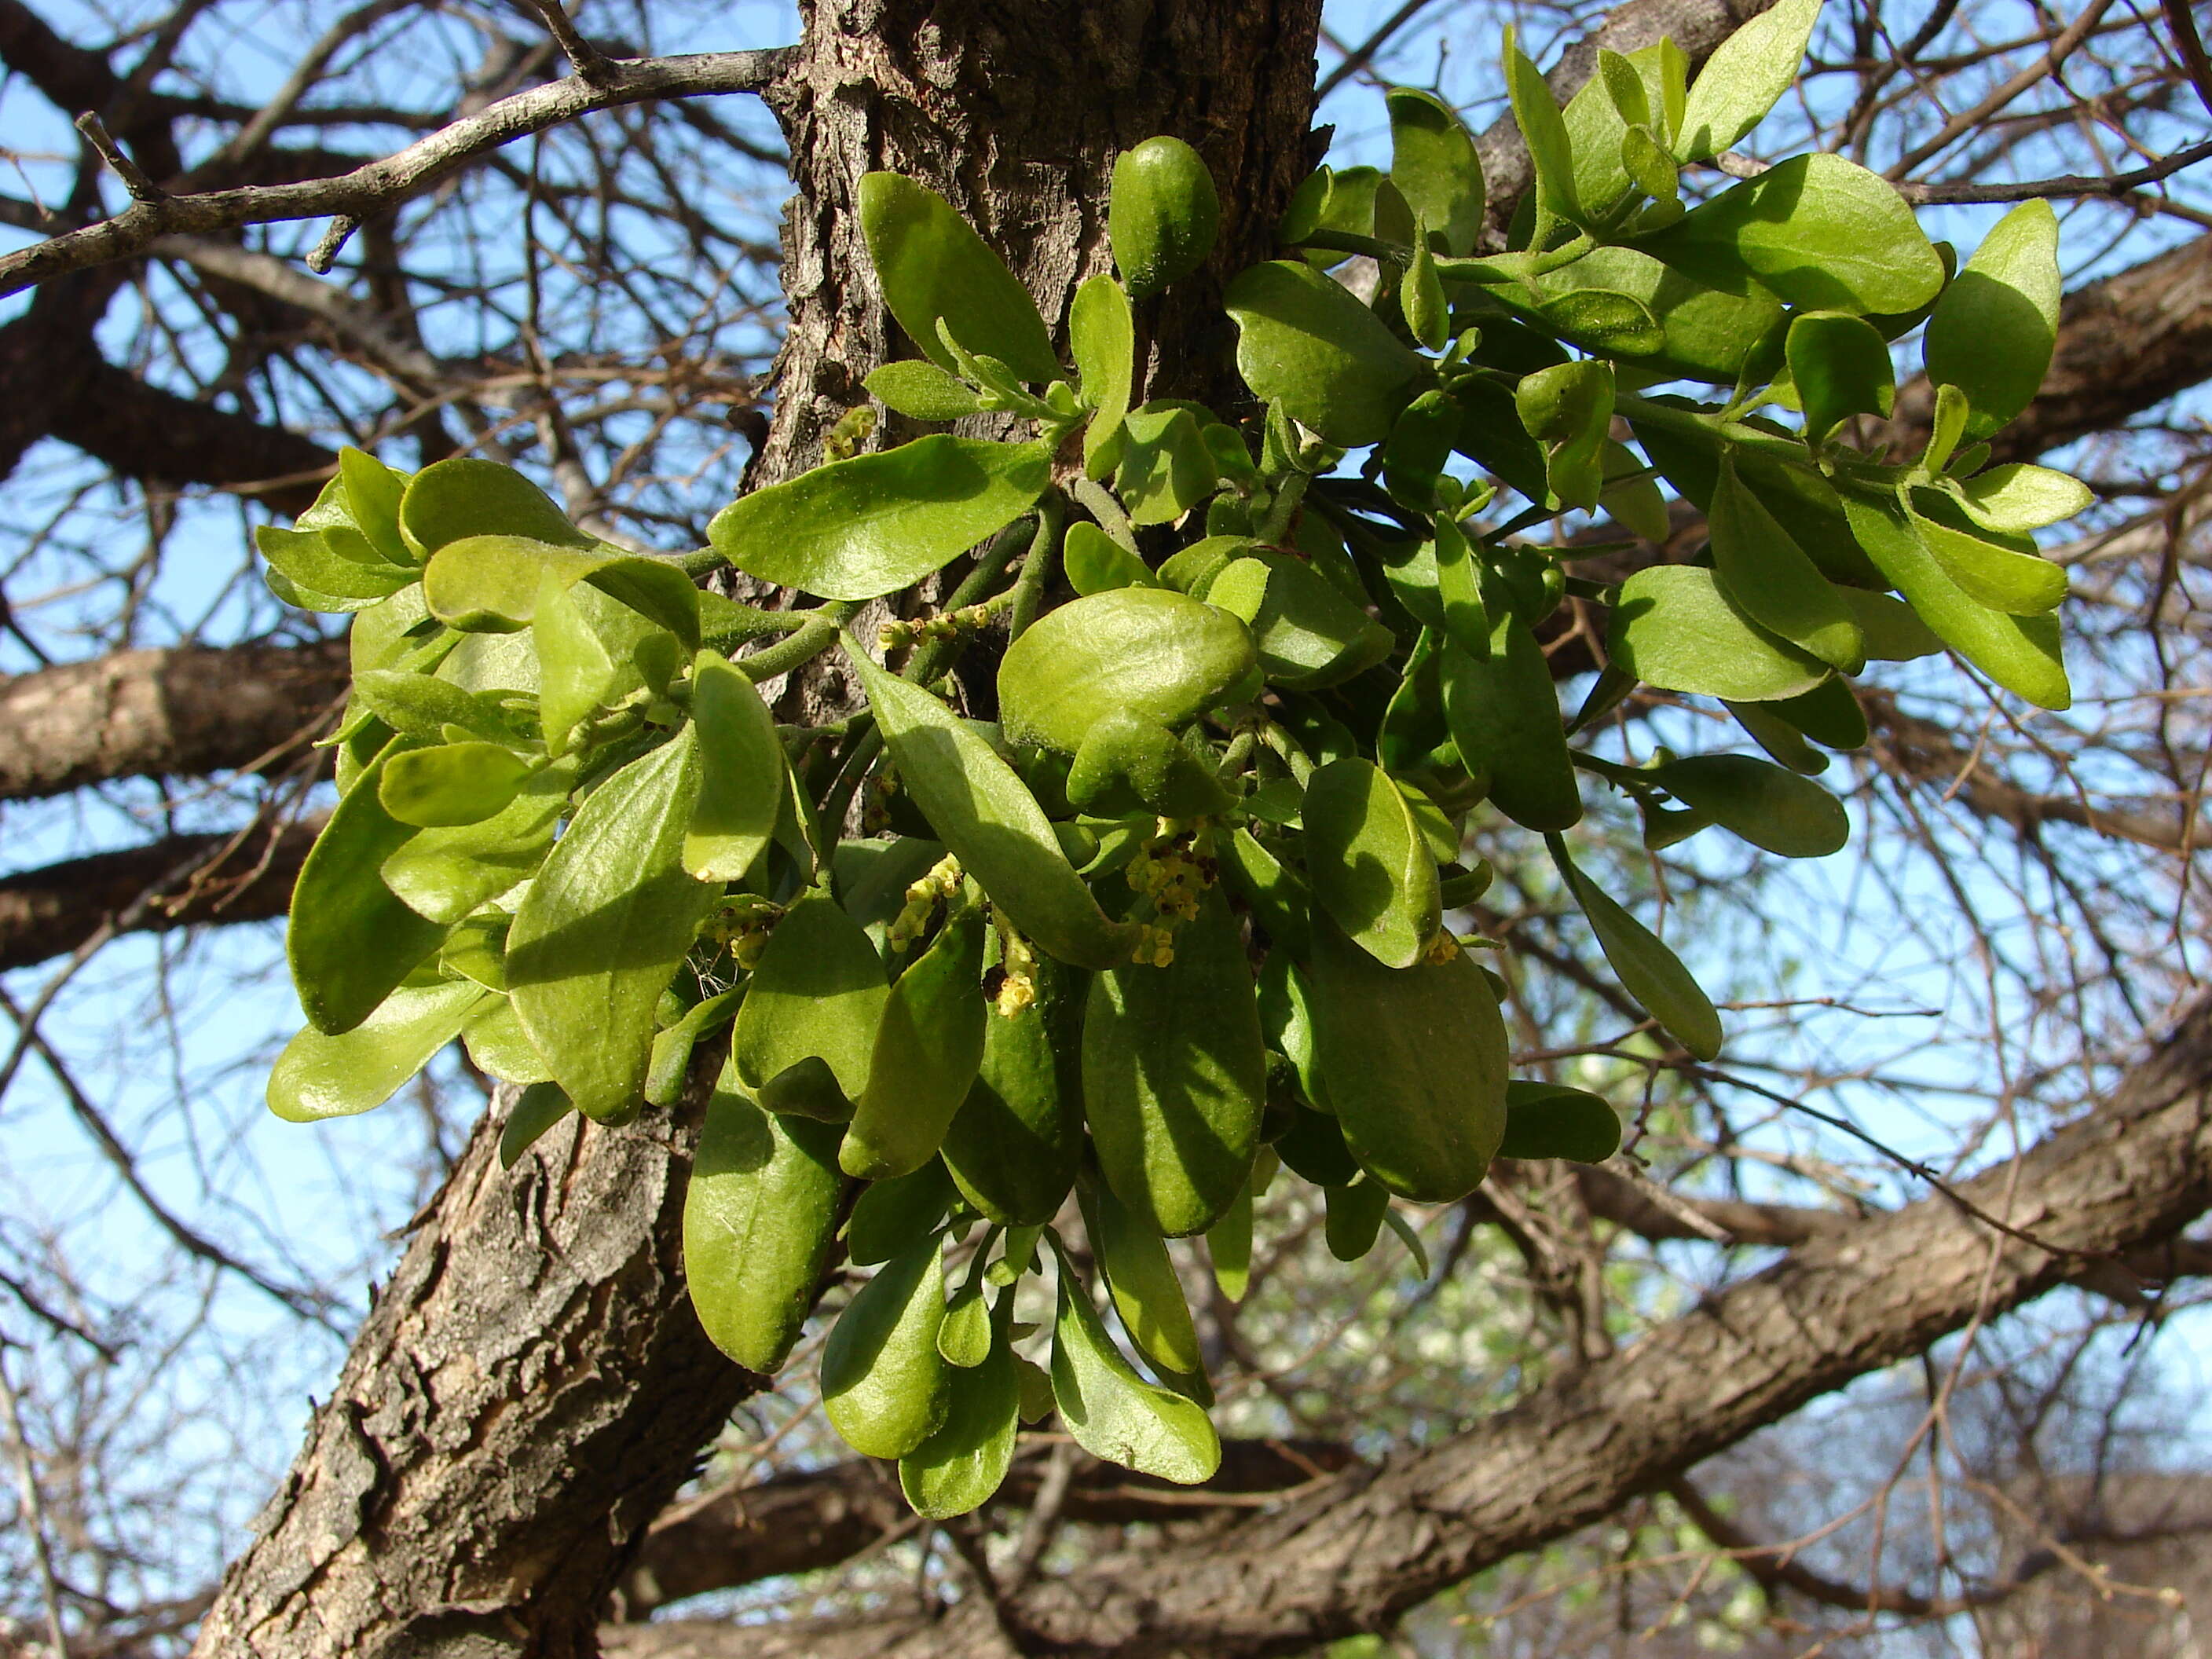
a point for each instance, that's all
(531, 1387)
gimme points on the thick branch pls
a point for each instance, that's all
(804, 1522)
(187, 710)
(384, 185)
(176, 883)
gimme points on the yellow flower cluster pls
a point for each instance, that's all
(741, 926)
(921, 899)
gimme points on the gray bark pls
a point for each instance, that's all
(188, 709)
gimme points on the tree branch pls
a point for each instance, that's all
(383, 184)
(186, 710)
(179, 882)
(803, 1522)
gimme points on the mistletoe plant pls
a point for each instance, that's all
(1158, 912)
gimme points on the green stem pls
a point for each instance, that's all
(837, 799)
(1037, 567)
(931, 659)
(1099, 503)
(816, 635)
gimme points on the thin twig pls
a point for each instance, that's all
(34, 1509)
(591, 62)
(141, 188)
(380, 185)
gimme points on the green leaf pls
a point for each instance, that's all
(891, 1217)
(1229, 1246)
(1673, 627)
(922, 392)
(818, 994)
(1354, 1217)
(957, 1469)
(1568, 409)
(1545, 131)
(1894, 632)
(1503, 714)
(491, 584)
(741, 773)
(1549, 1119)
(537, 1109)
(1313, 1147)
(933, 267)
(1162, 214)
(861, 528)
(1647, 970)
(2021, 653)
(1840, 366)
(1770, 579)
(1421, 298)
(1166, 468)
(2015, 499)
(1113, 1413)
(372, 493)
(1305, 343)
(575, 674)
(1146, 1290)
(1015, 1142)
(1413, 1061)
(1636, 502)
(2017, 582)
(319, 1076)
(1992, 333)
(1174, 1070)
(1599, 118)
(1604, 321)
(928, 1045)
(1127, 762)
(1665, 74)
(983, 812)
(452, 783)
(1148, 652)
(1096, 563)
(1744, 78)
(885, 1386)
(1278, 896)
(337, 562)
(448, 500)
(606, 924)
(670, 1066)
(1369, 863)
(351, 941)
(422, 705)
(1778, 811)
(1308, 634)
(1824, 234)
(1103, 337)
(1434, 164)
(445, 874)
(1706, 332)
(964, 1338)
(760, 1210)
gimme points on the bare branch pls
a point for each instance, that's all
(383, 184)
(183, 881)
(189, 710)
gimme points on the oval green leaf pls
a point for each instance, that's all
(861, 528)
(604, 926)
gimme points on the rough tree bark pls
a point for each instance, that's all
(531, 1387)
